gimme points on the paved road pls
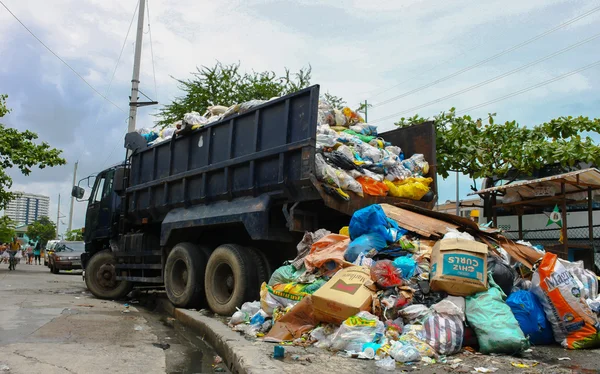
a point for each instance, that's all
(50, 324)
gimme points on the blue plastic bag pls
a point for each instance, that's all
(364, 244)
(372, 219)
(530, 314)
(407, 265)
(496, 328)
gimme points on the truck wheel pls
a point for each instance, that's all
(101, 277)
(184, 274)
(263, 269)
(230, 278)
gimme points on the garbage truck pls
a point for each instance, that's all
(209, 214)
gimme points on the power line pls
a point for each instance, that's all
(60, 59)
(506, 51)
(152, 51)
(531, 87)
(115, 69)
(496, 78)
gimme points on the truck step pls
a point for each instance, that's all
(138, 266)
(140, 279)
(134, 254)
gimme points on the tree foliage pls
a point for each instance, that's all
(227, 85)
(19, 150)
(43, 229)
(7, 229)
(74, 235)
(482, 148)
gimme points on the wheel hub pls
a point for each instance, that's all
(107, 276)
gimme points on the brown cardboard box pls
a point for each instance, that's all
(459, 267)
(343, 296)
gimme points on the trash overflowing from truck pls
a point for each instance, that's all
(307, 226)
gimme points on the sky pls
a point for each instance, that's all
(359, 50)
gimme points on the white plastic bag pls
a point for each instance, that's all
(325, 172)
(394, 149)
(387, 363)
(455, 234)
(397, 172)
(404, 352)
(588, 279)
(356, 331)
(346, 182)
(194, 119)
(415, 313)
(326, 140)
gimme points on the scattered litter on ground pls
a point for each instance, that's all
(163, 346)
(217, 360)
(564, 359)
(138, 328)
(485, 370)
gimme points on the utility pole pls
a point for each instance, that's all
(457, 194)
(135, 80)
(366, 109)
(58, 217)
(70, 227)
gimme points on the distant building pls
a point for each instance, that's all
(469, 208)
(27, 208)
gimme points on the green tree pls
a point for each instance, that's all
(335, 101)
(227, 85)
(7, 229)
(43, 229)
(18, 149)
(74, 235)
(482, 148)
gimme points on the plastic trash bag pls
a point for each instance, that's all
(504, 276)
(367, 152)
(244, 313)
(397, 172)
(572, 320)
(194, 119)
(404, 352)
(387, 363)
(372, 187)
(385, 274)
(340, 118)
(587, 278)
(415, 314)
(323, 334)
(326, 115)
(455, 234)
(372, 219)
(346, 151)
(356, 331)
(346, 182)
(325, 172)
(329, 249)
(444, 329)
(352, 117)
(326, 140)
(340, 160)
(495, 325)
(363, 260)
(285, 295)
(363, 244)
(408, 188)
(394, 149)
(530, 314)
(365, 129)
(417, 165)
(285, 274)
(407, 265)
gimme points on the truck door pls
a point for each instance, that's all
(99, 212)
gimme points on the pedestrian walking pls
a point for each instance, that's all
(13, 251)
(37, 252)
(29, 254)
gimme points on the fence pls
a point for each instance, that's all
(546, 237)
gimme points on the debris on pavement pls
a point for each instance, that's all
(217, 360)
(411, 287)
(163, 346)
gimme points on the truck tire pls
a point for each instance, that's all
(184, 275)
(230, 278)
(100, 277)
(263, 270)
(54, 269)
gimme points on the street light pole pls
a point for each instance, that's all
(135, 80)
(70, 227)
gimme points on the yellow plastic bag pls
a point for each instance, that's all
(345, 231)
(410, 188)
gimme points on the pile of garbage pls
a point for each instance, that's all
(194, 120)
(402, 285)
(351, 157)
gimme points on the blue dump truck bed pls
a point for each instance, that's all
(267, 150)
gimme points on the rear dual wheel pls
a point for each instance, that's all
(233, 275)
(184, 275)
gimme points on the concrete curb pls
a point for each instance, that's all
(240, 355)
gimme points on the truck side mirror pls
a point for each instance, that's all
(77, 192)
(119, 179)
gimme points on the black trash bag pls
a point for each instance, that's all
(424, 295)
(503, 275)
(341, 161)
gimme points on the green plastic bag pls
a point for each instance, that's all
(495, 325)
(286, 274)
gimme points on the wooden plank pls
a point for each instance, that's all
(423, 225)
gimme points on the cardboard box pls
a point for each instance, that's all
(343, 296)
(459, 267)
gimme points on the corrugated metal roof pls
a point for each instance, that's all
(577, 180)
